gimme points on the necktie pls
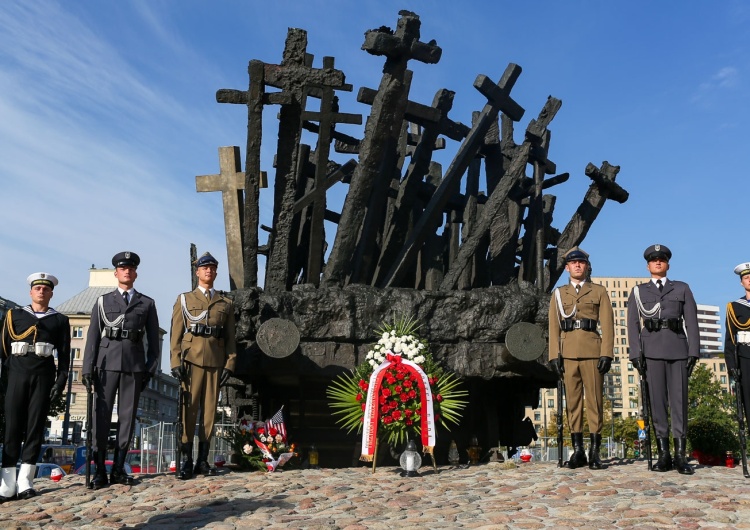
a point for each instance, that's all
(659, 285)
(578, 288)
(208, 295)
(126, 297)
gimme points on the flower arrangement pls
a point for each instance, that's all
(261, 447)
(399, 389)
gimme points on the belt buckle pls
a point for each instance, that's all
(209, 330)
(124, 333)
(576, 324)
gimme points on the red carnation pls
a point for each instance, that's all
(439, 398)
(273, 431)
(261, 430)
(363, 384)
(396, 414)
(385, 392)
(412, 393)
(359, 396)
(363, 406)
(407, 383)
(409, 422)
(404, 397)
(400, 376)
(408, 413)
(397, 390)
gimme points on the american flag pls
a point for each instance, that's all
(277, 421)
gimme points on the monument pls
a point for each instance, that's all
(475, 266)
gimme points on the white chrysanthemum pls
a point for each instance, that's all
(419, 359)
(398, 347)
(373, 363)
(388, 345)
(370, 354)
(384, 336)
(393, 333)
(420, 346)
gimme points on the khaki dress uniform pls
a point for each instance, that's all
(581, 349)
(207, 346)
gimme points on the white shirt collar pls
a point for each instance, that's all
(203, 290)
(663, 281)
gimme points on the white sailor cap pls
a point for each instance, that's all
(42, 278)
(742, 269)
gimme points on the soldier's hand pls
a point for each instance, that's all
(88, 382)
(604, 364)
(144, 382)
(557, 366)
(691, 364)
(735, 373)
(639, 365)
(225, 375)
(56, 391)
(177, 374)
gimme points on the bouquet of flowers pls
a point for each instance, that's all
(399, 389)
(262, 445)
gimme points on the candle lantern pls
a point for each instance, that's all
(313, 456)
(729, 461)
(474, 451)
(410, 460)
(453, 458)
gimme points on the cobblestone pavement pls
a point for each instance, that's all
(533, 495)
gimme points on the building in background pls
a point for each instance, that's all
(621, 386)
(5, 305)
(158, 402)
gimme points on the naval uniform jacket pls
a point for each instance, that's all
(123, 355)
(591, 302)
(208, 352)
(676, 301)
(733, 347)
(52, 328)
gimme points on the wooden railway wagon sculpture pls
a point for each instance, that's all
(475, 267)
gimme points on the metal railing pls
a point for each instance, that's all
(158, 447)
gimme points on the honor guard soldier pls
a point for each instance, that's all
(117, 363)
(664, 341)
(580, 354)
(202, 357)
(30, 336)
(737, 336)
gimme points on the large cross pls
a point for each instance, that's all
(230, 182)
(385, 119)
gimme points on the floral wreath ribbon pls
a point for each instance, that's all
(426, 412)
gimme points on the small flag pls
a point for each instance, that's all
(277, 421)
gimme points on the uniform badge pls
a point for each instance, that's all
(657, 248)
(127, 254)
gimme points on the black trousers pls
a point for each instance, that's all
(26, 409)
(127, 387)
(745, 374)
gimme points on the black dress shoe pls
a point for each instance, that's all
(202, 468)
(6, 499)
(119, 476)
(100, 481)
(29, 493)
(186, 471)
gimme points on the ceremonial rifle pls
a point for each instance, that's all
(645, 399)
(740, 414)
(560, 393)
(89, 433)
(180, 425)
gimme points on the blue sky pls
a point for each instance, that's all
(108, 114)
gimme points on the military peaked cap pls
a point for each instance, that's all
(42, 278)
(126, 259)
(657, 251)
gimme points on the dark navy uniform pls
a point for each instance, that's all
(737, 338)
(117, 363)
(29, 341)
(665, 321)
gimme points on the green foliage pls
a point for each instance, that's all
(712, 429)
(713, 437)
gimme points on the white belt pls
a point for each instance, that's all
(41, 349)
(743, 337)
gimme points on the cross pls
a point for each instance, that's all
(498, 99)
(385, 119)
(230, 182)
(326, 118)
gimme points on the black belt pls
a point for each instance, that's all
(201, 330)
(133, 335)
(657, 324)
(586, 324)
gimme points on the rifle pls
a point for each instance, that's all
(89, 435)
(645, 400)
(560, 440)
(180, 425)
(740, 415)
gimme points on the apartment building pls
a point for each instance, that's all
(158, 402)
(621, 386)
